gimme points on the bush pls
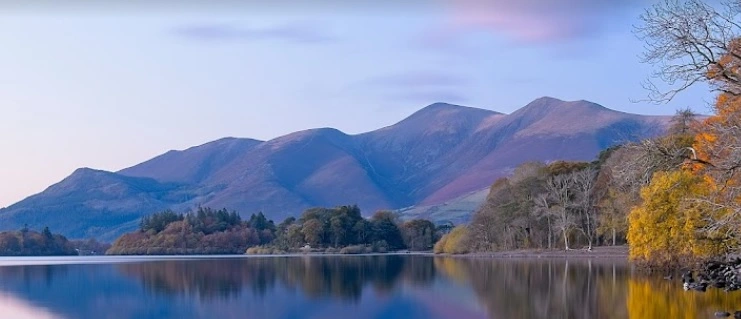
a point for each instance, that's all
(456, 242)
(357, 249)
(440, 245)
(264, 250)
(380, 246)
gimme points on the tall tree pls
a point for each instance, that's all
(560, 189)
(691, 41)
(586, 201)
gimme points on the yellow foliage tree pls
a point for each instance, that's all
(668, 227)
(456, 242)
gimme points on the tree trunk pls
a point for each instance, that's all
(613, 236)
(565, 239)
(589, 232)
(550, 233)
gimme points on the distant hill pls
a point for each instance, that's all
(439, 154)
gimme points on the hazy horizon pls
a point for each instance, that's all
(108, 86)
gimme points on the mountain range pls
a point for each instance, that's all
(439, 155)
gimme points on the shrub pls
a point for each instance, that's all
(264, 250)
(380, 246)
(456, 242)
(357, 249)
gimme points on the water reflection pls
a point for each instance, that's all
(653, 298)
(317, 277)
(359, 287)
(544, 288)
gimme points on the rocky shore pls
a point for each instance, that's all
(718, 275)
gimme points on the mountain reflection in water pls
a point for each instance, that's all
(393, 286)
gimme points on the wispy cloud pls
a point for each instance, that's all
(298, 32)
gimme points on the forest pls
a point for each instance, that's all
(341, 229)
(26, 242)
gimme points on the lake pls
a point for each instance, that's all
(357, 287)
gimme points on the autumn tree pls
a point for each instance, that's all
(667, 228)
(719, 148)
(455, 242)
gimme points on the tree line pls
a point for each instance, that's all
(209, 231)
(547, 205)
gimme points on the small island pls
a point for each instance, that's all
(318, 230)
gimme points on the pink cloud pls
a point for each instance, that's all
(531, 20)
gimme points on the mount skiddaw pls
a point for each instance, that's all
(434, 156)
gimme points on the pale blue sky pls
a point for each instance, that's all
(110, 86)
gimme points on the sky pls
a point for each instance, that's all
(113, 84)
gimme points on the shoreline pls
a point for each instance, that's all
(602, 252)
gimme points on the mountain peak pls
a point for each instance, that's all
(441, 109)
(439, 105)
(546, 100)
(442, 106)
(547, 104)
(82, 171)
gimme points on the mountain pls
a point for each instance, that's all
(433, 163)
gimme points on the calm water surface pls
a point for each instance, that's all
(357, 287)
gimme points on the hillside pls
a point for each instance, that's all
(438, 154)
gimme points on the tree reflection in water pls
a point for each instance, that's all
(315, 276)
(655, 298)
(405, 286)
(535, 288)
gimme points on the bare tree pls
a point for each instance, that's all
(642, 159)
(687, 40)
(586, 201)
(543, 210)
(559, 189)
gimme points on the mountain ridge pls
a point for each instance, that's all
(436, 154)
